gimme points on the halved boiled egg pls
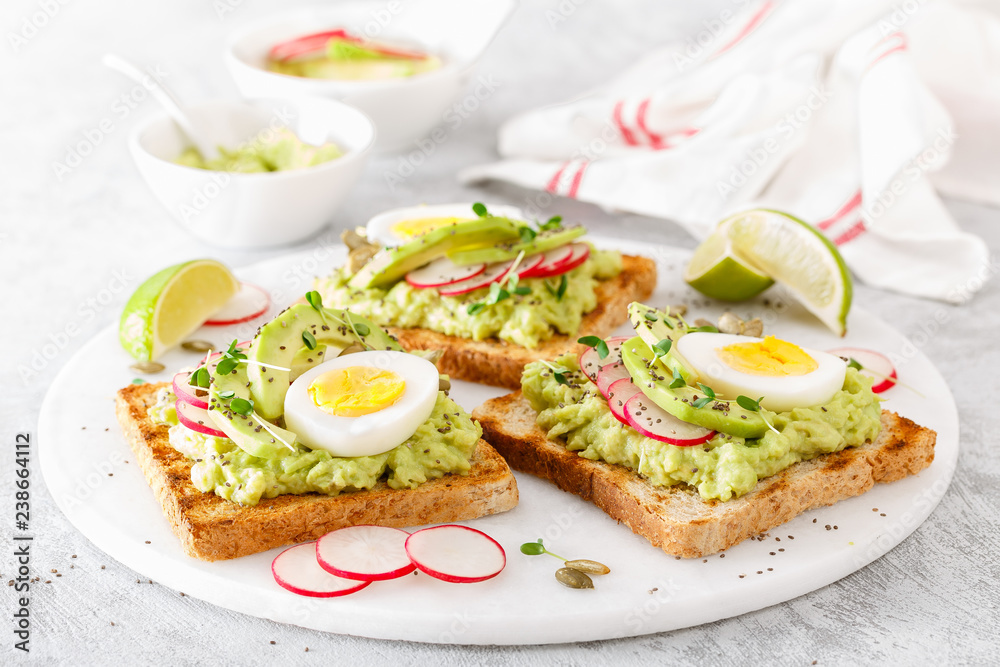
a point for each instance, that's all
(786, 375)
(361, 404)
(402, 225)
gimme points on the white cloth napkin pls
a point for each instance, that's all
(846, 114)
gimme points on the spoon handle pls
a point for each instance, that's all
(166, 99)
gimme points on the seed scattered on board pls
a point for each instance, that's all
(147, 367)
(567, 576)
(197, 346)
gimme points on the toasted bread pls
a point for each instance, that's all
(676, 518)
(212, 528)
(500, 363)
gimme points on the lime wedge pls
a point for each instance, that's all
(717, 271)
(770, 244)
(173, 303)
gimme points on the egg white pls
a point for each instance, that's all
(781, 393)
(379, 228)
(369, 434)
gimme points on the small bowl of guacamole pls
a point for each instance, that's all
(404, 64)
(283, 170)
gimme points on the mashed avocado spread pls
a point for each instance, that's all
(524, 320)
(279, 150)
(726, 466)
(442, 445)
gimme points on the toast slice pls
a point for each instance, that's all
(676, 518)
(500, 363)
(212, 528)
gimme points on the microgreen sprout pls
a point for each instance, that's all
(480, 209)
(502, 290)
(527, 234)
(537, 549)
(560, 291)
(706, 399)
(558, 372)
(555, 222)
(226, 395)
(748, 403)
(651, 315)
(241, 406)
(232, 358)
(309, 340)
(678, 380)
(597, 343)
(707, 328)
(200, 378)
(662, 348)
(315, 300)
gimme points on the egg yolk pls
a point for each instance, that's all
(771, 356)
(356, 390)
(409, 229)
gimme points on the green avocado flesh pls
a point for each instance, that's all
(391, 264)
(725, 467)
(653, 326)
(280, 150)
(442, 445)
(503, 252)
(524, 320)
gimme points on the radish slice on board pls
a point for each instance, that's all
(619, 393)
(654, 422)
(296, 570)
(441, 272)
(365, 553)
(493, 273)
(873, 364)
(186, 393)
(608, 375)
(455, 553)
(591, 363)
(550, 259)
(196, 419)
(249, 303)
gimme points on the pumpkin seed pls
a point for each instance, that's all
(354, 238)
(730, 324)
(444, 383)
(351, 349)
(754, 327)
(147, 367)
(360, 256)
(197, 346)
(588, 566)
(567, 576)
(680, 309)
(702, 322)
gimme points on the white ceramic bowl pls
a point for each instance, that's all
(256, 210)
(380, 226)
(405, 109)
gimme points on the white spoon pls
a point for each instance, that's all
(167, 100)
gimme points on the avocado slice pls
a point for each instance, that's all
(278, 342)
(391, 264)
(734, 420)
(654, 325)
(244, 430)
(502, 252)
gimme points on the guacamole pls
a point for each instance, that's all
(348, 60)
(442, 445)
(524, 320)
(277, 150)
(726, 466)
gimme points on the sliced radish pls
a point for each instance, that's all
(529, 264)
(873, 364)
(455, 553)
(591, 363)
(581, 251)
(619, 393)
(304, 45)
(296, 570)
(654, 422)
(365, 553)
(493, 273)
(441, 272)
(196, 419)
(550, 259)
(608, 375)
(249, 303)
(186, 393)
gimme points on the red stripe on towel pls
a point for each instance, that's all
(554, 181)
(851, 234)
(751, 25)
(626, 133)
(574, 186)
(851, 204)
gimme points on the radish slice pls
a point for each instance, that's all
(195, 419)
(249, 303)
(186, 393)
(529, 264)
(493, 273)
(550, 259)
(581, 251)
(591, 363)
(455, 553)
(654, 422)
(608, 375)
(296, 570)
(873, 364)
(365, 553)
(441, 272)
(304, 45)
(619, 393)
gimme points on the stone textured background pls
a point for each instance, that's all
(64, 245)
